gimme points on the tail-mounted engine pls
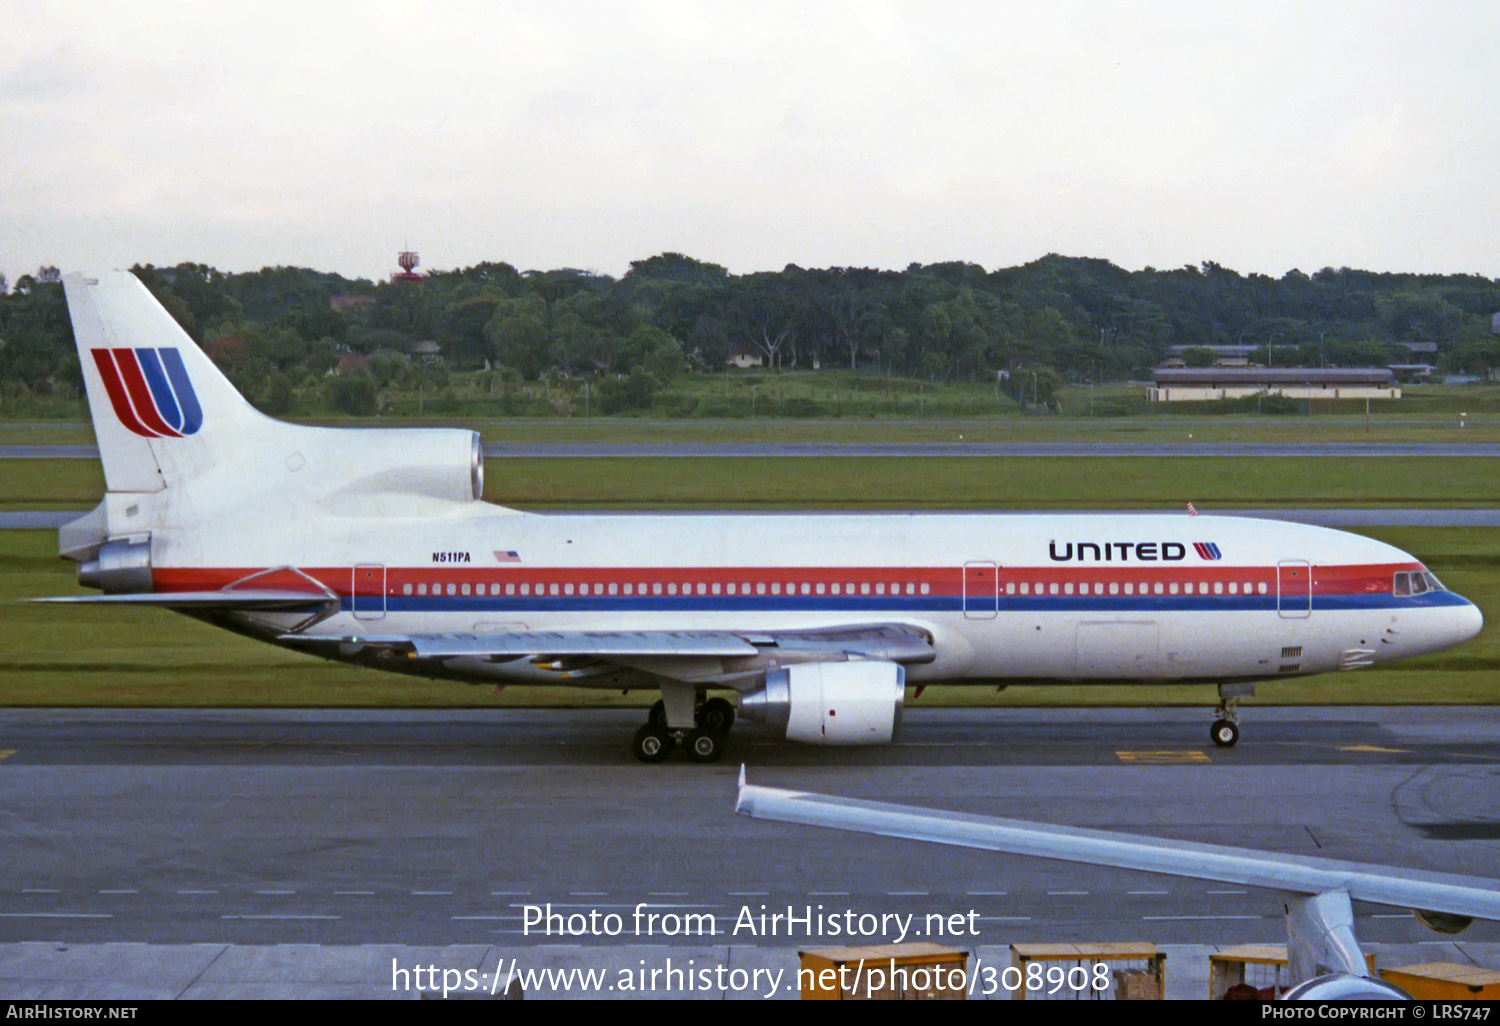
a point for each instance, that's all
(122, 566)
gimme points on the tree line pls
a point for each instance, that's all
(281, 331)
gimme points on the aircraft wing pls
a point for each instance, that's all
(715, 657)
(237, 599)
(1461, 896)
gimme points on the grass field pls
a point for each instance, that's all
(903, 483)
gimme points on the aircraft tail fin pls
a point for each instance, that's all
(160, 406)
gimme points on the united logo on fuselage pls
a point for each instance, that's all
(1207, 550)
(150, 391)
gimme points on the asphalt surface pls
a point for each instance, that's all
(342, 828)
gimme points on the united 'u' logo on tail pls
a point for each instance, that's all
(150, 391)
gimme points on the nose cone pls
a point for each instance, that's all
(1467, 622)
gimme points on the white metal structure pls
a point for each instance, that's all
(375, 547)
(1323, 955)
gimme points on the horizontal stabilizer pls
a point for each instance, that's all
(1473, 897)
(244, 598)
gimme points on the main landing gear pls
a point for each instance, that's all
(702, 742)
(1225, 731)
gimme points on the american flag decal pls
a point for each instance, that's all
(1207, 550)
(507, 556)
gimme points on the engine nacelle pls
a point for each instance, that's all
(853, 703)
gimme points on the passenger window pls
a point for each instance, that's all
(1158, 588)
(821, 587)
(552, 589)
(1114, 588)
(926, 588)
(1262, 587)
(421, 589)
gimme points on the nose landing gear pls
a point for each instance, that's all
(1225, 731)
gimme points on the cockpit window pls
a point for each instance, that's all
(1415, 582)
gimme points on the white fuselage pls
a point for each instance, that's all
(1168, 598)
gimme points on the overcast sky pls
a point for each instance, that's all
(1263, 136)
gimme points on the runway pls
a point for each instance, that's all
(438, 828)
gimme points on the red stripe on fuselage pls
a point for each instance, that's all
(1367, 579)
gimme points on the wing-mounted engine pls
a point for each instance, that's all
(852, 703)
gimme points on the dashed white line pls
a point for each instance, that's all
(41, 890)
(430, 894)
(1228, 892)
(987, 894)
(1155, 894)
(1067, 894)
(510, 894)
(907, 894)
(268, 916)
(55, 915)
(197, 892)
(120, 891)
(275, 892)
(1167, 919)
(749, 894)
(828, 894)
(355, 894)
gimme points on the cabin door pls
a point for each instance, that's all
(981, 590)
(368, 591)
(1294, 589)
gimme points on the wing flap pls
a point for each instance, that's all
(243, 598)
(598, 644)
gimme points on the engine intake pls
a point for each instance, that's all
(853, 703)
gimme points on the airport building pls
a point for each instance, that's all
(1195, 384)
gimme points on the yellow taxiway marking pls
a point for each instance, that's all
(1374, 748)
(6, 753)
(1169, 756)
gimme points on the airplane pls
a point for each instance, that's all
(1324, 959)
(375, 547)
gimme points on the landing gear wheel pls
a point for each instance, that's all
(716, 715)
(703, 746)
(657, 717)
(1225, 733)
(651, 744)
